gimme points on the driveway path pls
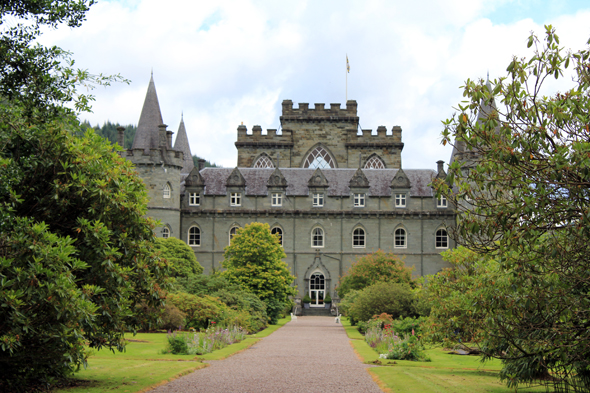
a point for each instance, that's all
(311, 354)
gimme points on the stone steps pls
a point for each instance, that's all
(316, 312)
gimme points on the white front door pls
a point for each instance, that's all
(317, 289)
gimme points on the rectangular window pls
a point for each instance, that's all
(194, 199)
(400, 200)
(441, 202)
(318, 200)
(235, 199)
(359, 200)
(277, 199)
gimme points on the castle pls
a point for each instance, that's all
(331, 194)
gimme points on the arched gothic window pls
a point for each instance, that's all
(167, 190)
(319, 158)
(399, 238)
(194, 236)
(374, 163)
(263, 161)
(278, 231)
(232, 232)
(165, 232)
(358, 238)
(442, 238)
(317, 237)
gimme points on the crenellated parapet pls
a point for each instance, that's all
(380, 139)
(257, 138)
(319, 112)
(161, 156)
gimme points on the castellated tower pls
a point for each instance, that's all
(333, 132)
(159, 164)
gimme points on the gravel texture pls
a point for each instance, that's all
(310, 354)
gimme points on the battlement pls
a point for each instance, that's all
(256, 136)
(155, 157)
(381, 136)
(319, 111)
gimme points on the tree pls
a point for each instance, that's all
(254, 261)
(180, 256)
(76, 253)
(523, 191)
(373, 268)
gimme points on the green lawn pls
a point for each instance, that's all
(142, 366)
(445, 373)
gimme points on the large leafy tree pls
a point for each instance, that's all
(370, 269)
(182, 259)
(76, 252)
(253, 261)
(522, 186)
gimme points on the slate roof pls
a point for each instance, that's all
(297, 178)
(146, 136)
(181, 144)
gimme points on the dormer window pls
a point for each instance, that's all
(194, 199)
(277, 199)
(167, 190)
(359, 200)
(318, 200)
(400, 200)
(235, 199)
(441, 202)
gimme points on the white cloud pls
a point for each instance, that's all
(230, 61)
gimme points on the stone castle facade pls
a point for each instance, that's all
(331, 193)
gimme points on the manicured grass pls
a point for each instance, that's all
(445, 373)
(142, 366)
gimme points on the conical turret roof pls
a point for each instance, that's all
(146, 136)
(181, 144)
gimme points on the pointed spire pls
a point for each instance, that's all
(181, 144)
(147, 134)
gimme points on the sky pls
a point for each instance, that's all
(221, 63)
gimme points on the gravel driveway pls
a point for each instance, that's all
(311, 354)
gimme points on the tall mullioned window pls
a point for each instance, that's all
(358, 238)
(165, 232)
(194, 236)
(399, 238)
(441, 202)
(442, 238)
(317, 237)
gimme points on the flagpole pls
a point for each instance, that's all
(346, 71)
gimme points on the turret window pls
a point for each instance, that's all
(167, 191)
(194, 199)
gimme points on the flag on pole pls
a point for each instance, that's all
(347, 65)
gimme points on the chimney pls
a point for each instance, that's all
(121, 136)
(169, 138)
(201, 164)
(162, 135)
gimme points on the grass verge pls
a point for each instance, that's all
(445, 373)
(142, 367)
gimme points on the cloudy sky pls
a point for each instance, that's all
(222, 63)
